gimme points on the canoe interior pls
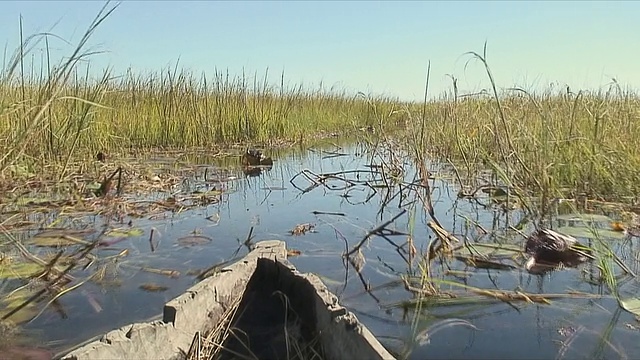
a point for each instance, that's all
(260, 307)
(275, 319)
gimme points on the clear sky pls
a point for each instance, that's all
(370, 46)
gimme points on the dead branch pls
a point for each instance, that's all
(377, 231)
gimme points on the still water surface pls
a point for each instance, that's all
(569, 328)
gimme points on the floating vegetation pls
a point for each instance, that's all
(164, 272)
(302, 229)
(293, 252)
(592, 232)
(193, 240)
(59, 238)
(515, 162)
(19, 269)
(125, 232)
(150, 287)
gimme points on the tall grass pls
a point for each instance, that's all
(557, 142)
(57, 111)
(174, 109)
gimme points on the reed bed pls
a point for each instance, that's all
(173, 110)
(555, 143)
(578, 143)
(52, 112)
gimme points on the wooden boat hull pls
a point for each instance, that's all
(264, 278)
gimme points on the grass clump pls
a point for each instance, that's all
(554, 143)
(168, 109)
(56, 112)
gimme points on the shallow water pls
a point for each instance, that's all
(569, 328)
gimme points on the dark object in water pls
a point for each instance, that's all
(253, 157)
(549, 249)
(269, 309)
(251, 171)
(106, 184)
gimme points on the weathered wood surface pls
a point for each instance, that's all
(203, 306)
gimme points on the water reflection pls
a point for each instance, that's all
(265, 202)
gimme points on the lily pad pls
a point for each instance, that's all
(194, 240)
(591, 233)
(150, 287)
(631, 305)
(59, 238)
(481, 263)
(125, 232)
(55, 241)
(21, 316)
(64, 232)
(587, 218)
(15, 299)
(490, 251)
(19, 270)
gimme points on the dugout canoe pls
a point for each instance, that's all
(245, 307)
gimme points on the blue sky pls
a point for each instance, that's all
(374, 47)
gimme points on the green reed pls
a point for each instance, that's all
(59, 111)
(558, 142)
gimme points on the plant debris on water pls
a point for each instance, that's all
(302, 229)
(442, 194)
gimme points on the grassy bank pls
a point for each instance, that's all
(57, 111)
(168, 109)
(555, 143)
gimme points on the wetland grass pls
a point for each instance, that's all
(541, 148)
(556, 142)
(62, 112)
(543, 152)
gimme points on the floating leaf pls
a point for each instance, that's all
(21, 316)
(111, 242)
(150, 287)
(617, 226)
(481, 263)
(55, 241)
(194, 240)
(590, 233)
(165, 272)
(19, 270)
(64, 232)
(59, 238)
(15, 299)
(631, 305)
(490, 250)
(302, 229)
(584, 217)
(125, 232)
(293, 252)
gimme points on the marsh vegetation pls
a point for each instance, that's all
(423, 212)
